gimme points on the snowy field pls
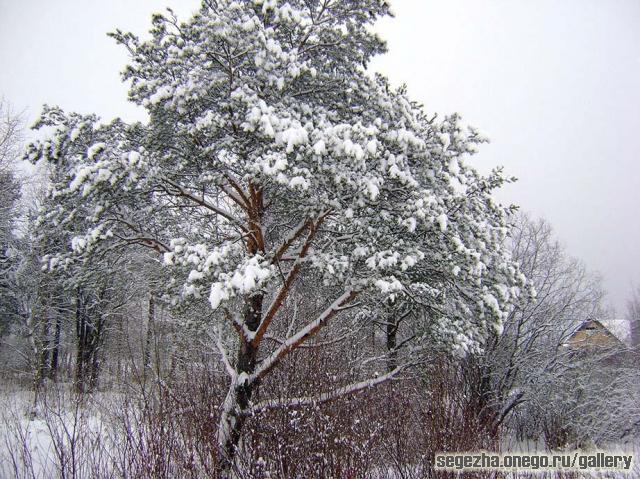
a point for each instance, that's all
(66, 438)
(59, 438)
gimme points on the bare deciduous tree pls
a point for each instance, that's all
(633, 317)
(519, 364)
(10, 138)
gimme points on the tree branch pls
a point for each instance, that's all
(303, 335)
(325, 397)
(284, 290)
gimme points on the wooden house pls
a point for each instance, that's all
(592, 333)
(593, 337)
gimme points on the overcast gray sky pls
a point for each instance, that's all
(554, 83)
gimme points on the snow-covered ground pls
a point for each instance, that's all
(67, 438)
(60, 438)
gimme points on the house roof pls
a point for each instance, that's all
(594, 333)
(620, 328)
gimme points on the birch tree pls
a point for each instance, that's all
(273, 162)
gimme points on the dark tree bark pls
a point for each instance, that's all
(81, 333)
(151, 319)
(247, 354)
(42, 366)
(96, 340)
(392, 343)
(55, 350)
(89, 336)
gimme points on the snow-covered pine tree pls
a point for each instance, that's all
(272, 158)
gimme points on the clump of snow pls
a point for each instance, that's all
(319, 148)
(373, 189)
(245, 279)
(94, 149)
(442, 222)
(372, 147)
(133, 157)
(161, 94)
(388, 286)
(411, 224)
(292, 137)
(299, 182)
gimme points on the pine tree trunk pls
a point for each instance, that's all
(392, 334)
(238, 397)
(81, 342)
(42, 367)
(89, 336)
(151, 315)
(97, 337)
(55, 352)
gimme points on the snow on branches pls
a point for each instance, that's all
(272, 156)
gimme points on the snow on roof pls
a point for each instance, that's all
(620, 328)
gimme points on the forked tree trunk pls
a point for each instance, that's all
(238, 397)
